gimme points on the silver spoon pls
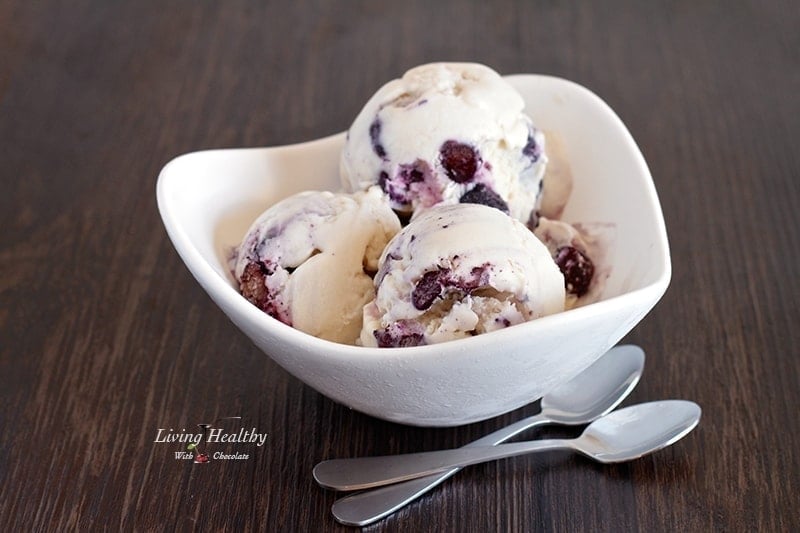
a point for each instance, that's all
(592, 393)
(620, 436)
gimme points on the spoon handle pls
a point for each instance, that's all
(366, 472)
(366, 507)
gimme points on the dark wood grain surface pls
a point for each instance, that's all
(105, 336)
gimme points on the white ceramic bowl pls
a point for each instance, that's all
(208, 200)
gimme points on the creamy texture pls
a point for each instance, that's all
(431, 146)
(307, 260)
(442, 132)
(557, 180)
(457, 271)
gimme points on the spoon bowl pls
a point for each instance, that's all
(631, 433)
(597, 390)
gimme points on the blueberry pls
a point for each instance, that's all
(404, 187)
(459, 160)
(481, 194)
(411, 173)
(391, 339)
(253, 284)
(577, 268)
(477, 278)
(254, 287)
(428, 288)
(374, 136)
(393, 188)
(532, 149)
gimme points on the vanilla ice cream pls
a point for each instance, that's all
(447, 133)
(308, 260)
(457, 271)
(557, 181)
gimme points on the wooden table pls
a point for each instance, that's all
(105, 337)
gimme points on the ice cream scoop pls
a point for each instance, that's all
(307, 260)
(447, 133)
(457, 271)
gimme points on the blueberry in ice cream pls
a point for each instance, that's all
(447, 133)
(456, 271)
(309, 259)
(579, 251)
(577, 268)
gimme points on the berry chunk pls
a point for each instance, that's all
(407, 185)
(391, 339)
(532, 149)
(428, 288)
(577, 268)
(412, 173)
(375, 137)
(478, 277)
(481, 194)
(253, 284)
(459, 160)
